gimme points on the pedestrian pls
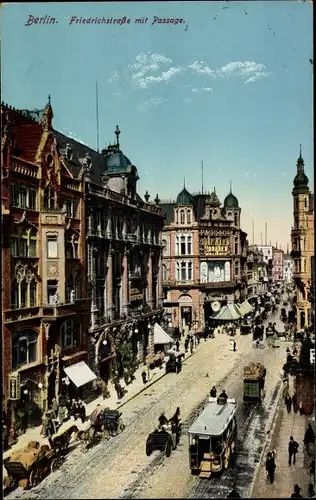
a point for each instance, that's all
(54, 408)
(47, 429)
(311, 491)
(186, 345)
(82, 412)
(293, 449)
(288, 402)
(223, 395)
(270, 467)
(294, 402)
(213, 392)
(144, 376)
(118, 389)
(62, 413)
(178, 345)
(309, 437)
(296, 493)
(191, 345)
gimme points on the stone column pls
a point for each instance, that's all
(150, 279)
(109, 283)
(125, 282)
(109, 224)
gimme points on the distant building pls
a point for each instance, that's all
(277, 265)
(302, 236)
(257, 274)
(267, 251)
(204, 257)
(288, 268)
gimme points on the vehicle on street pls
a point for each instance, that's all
(254, 379)
(212, 437)
(164, 439)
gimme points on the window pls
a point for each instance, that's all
(68, 334)
(69, 287)
(182, 217)
(24, 348)
(236, 269)
(23, 243)
(52, 288)
(236, 245)
(23, 295)
(188, 216)
(23, 197)
(184, 244)
(164, 272)
(49, 198)
(33, 288)
(72, 247)
(305, 202)
(184, 271)
(52, 247)
(71, 208)
(177, 217)
(236, 219)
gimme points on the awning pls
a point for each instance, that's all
(160, 336)
(228, 313)
(246, 307)
(80, 373)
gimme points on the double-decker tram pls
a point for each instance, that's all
(212, 437)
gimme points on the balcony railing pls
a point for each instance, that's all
(21, 314)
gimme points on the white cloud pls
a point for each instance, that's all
(150, 69)
(153, 102)
(201, 90)
(250, 70)
(201, 68)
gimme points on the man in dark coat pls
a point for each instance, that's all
(309, 437)
(270, 467)
(213, 392)
(293, 449)
(288, 402)
(163, 420)
(296, 493)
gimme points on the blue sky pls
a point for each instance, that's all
(231, 85)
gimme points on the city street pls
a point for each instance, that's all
(120, 468)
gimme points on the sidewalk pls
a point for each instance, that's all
(286, 425)
(135, 388)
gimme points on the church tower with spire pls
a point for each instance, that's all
(302, 238)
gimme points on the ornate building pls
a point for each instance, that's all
(124, 265)
(204, 257)
(302, 236)
(257, 274)
(45, 311)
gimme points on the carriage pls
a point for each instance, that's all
(162, 439)
(47, 461)
(112, 421)
(109, 423)
(245, 328)
(254, 379)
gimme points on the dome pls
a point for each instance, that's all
(300, 180)
(184, 197)
(231, 201)
(213, 200)
(117, 161)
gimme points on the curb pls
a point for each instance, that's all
(271, 427)
(152, 383)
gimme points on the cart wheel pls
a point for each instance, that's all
(35, 477)
(149, 449)
(168, 448)
(120, 425)
(56, 463)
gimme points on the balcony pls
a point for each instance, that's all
(69, 309)
(26, 313)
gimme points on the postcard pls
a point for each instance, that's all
(158, 274)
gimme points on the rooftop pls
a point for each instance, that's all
(214, 419)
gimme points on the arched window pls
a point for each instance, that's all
(15, 295)
(188, 216)
(177, 217)
(68, 334)
(33, 296)
(69, 287)
(72, 247)
(24, 348)
(182, 217)
(23, 296)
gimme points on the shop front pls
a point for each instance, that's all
(78, 380)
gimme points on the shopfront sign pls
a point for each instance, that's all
(14, 386)
(312, 356)
(135, 294)
(214, 242)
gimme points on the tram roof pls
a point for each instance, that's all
(214, 419)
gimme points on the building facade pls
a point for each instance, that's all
(302, 237)
(124, 248)
(277, 265)
(257, 274)
(288, 268)
(204, 257)
(45, 311)
(267, 251)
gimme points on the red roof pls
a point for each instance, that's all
(27, 132)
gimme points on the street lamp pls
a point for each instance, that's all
(104, 342)
(25, 391)
(40, 385)
(149, 326)
(136, 330)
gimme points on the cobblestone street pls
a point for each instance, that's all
(120, 468)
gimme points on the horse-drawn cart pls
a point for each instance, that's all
(159, 440)
(47, 461)
(113, 422)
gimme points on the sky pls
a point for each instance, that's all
(226, 83)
